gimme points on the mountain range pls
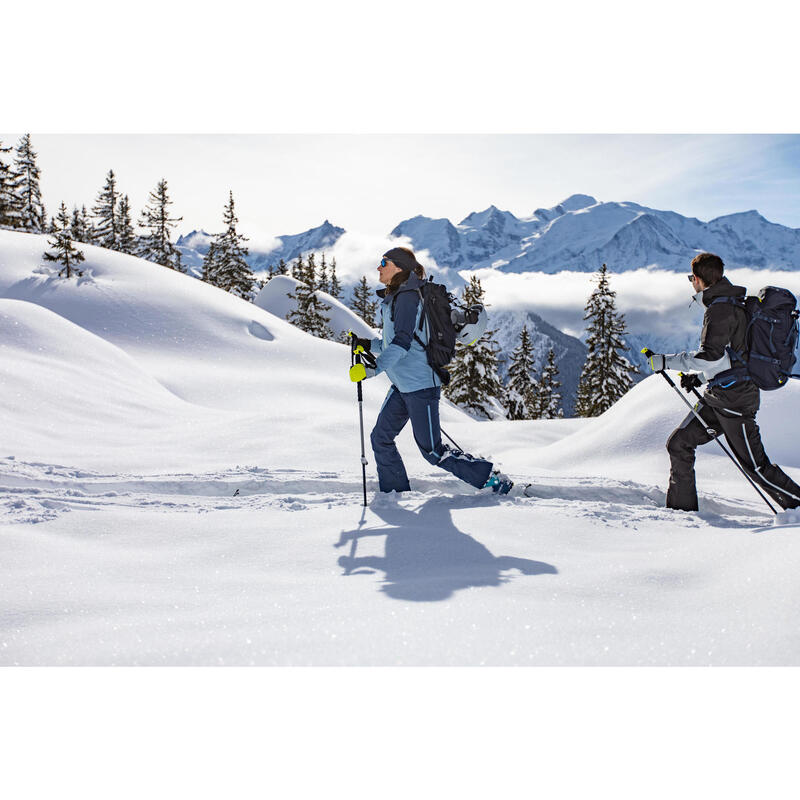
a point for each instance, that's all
(578, 234)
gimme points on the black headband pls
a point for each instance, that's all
(401, 258)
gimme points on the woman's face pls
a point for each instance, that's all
(387, 270)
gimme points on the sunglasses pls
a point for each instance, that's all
(691, 277)
(384, 262)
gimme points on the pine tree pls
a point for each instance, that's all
(547, 394)
(127, 236)
(606, 374)
(310, 274)
(25, 186)
(9, 202)
(106, 213)
(224, 265)
(323, 284)
(309, 314)
(65, 251)
(336, 287)
(474, 382)
(363, 303)
(521, 395)
(156, 245)
(298, 269)
(282, 268)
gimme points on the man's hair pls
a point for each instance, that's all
(708, 267)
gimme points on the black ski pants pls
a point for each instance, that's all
(744, 439)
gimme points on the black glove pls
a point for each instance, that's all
(690, 380)
(356, 341)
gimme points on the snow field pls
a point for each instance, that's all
(136, 402)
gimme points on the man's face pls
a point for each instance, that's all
(697, 284)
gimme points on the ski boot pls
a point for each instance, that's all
(499, 483)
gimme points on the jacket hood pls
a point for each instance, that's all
(722, 288)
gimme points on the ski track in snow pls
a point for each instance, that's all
(32, 492)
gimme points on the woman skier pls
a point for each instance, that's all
(416, 388)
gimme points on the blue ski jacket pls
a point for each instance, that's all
(398, 352)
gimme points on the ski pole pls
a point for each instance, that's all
(712, 433)
(444, 432)
(355, 358)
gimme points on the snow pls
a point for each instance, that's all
(137, 401)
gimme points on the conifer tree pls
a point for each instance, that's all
(25, 186)
(310, 273)
(105, 211)
(336, 287)
(65, 252)
(298, 268)
(363, 303)
(606, 374)
(156, 244)
(81, 224)
(127, 236)
(547, 394)
(309, 314)
(282, 269)
(224, 265)
(521, 395)
(474, 382)
(9, 202)
(323, 283)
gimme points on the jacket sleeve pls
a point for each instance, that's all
(711, 358)
(405, 319)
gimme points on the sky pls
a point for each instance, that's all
(368, 183)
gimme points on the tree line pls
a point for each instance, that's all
(475, 382)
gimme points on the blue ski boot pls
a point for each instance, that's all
(499, 483)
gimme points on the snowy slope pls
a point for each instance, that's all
(274, 297)
(180, 484)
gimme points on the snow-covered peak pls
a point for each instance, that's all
(575, 202)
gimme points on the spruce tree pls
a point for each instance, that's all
(106, 213)
(298, 269)
(282, 269)
(309, 314)
(323, 283)
(25, 186)
(547, 394)
(363, 303)
(156, 244)
(65, 252)
(9, 202)
(606, 374)
(521, 394)
(310, 273)
(224, 265)
(127, 236)
(336, 287)
(474, 382)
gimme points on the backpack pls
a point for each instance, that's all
(446, 317)
(770, 340)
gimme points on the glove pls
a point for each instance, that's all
(690, 380)
(656, 361)
(358, 373)
(356, 342)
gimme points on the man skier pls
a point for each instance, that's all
(416, 389)
(728, 406)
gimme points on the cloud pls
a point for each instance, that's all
(654, 302)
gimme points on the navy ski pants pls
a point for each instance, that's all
(422, 408)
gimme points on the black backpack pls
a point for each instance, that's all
(438, 307)
(770, 341)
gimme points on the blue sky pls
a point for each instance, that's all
(287, 183)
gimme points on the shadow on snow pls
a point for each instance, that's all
(427, 558)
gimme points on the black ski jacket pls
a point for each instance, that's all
(724, 325)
